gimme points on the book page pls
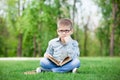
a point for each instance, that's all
(53, 60)
(58, 63)
(66, 60)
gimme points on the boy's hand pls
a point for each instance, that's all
(47, 55)
(65, 39)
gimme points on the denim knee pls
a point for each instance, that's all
(76, 62)
(46, 63)
(43, 61)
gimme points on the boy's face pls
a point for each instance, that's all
(64, 31)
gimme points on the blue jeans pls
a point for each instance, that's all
(47, 65)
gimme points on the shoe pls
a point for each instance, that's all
(38, 70)
(74, 70)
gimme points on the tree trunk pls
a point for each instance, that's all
(101, 48)
(39, 42)
(39, 49)
(73, 13)
(86, 36)
(73, 18)
(114, 8)
(85, 40)
(19, 49)
(35, 46)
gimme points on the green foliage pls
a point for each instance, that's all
(3, 37)
(103, 32)
(37, 19)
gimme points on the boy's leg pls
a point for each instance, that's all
(75, 63)
(46, 64)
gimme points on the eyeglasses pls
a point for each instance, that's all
(61, 31)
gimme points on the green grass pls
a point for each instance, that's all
(92, 68)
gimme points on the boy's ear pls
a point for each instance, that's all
(57, 30)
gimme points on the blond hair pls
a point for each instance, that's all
(64, 23)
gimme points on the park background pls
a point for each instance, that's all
(26, 26)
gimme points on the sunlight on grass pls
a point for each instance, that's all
(92, 68)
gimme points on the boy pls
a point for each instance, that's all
(58, 47)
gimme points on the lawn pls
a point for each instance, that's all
(92, 68)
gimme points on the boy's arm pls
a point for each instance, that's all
(72, 47)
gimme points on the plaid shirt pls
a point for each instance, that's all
(59, 50)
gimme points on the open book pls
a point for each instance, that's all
(58, 63)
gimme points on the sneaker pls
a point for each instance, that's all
(74, 70)
(38, 70)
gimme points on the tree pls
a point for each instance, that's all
(40, 24)
(20, 35)
(112, 22)
(114, 16)
(3, 38)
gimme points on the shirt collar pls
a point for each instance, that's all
(58, 39)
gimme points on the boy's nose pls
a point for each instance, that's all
(63, 33)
